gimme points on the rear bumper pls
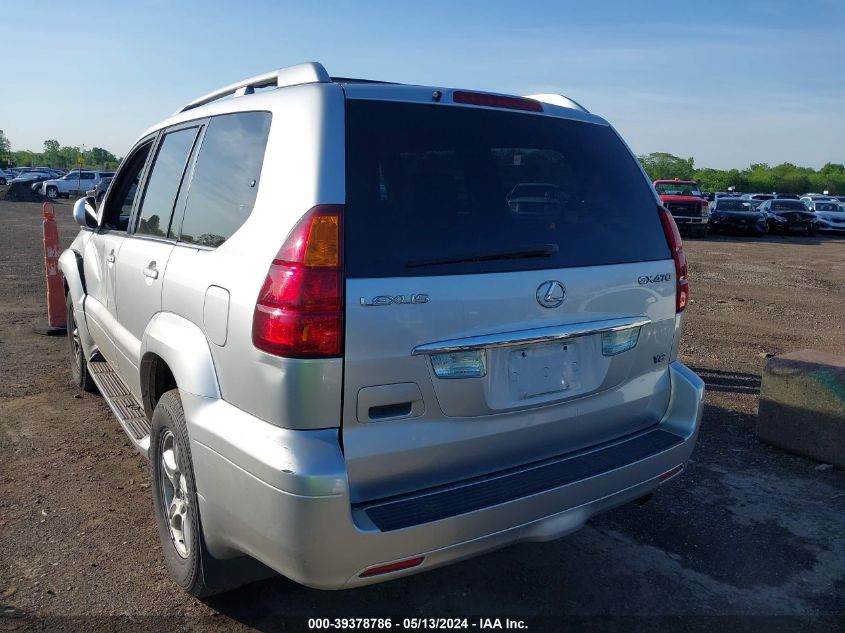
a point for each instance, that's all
(282, 497)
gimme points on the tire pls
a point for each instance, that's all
(2, 181)
(52, 192)
(175, 496)
(186, 555)
(78, 366)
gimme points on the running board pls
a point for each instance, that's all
(123, 404)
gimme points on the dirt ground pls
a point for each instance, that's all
(749, 530)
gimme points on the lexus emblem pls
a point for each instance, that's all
(550, 294)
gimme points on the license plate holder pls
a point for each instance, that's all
(543, 369)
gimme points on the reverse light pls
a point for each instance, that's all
(299, 312)
(613, 343)
(469, 364)
(676, 246)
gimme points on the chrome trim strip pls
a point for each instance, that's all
(529, 337)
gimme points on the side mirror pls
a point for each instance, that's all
(84, 213)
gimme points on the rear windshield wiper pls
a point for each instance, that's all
(542, 250)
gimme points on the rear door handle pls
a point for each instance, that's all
(150, 271)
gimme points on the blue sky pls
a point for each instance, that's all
(729, 83)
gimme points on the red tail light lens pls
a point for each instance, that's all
(497, 101)
(299, 312)
(384, 569)
(676, 245)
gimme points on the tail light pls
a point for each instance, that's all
(673, 238)
(299, 312)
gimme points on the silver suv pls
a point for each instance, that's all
(362, 330)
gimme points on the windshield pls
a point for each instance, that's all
(434, 189)
(678, 189)
(734, 205)
(788, 205)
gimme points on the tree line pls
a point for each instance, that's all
(757, 178)
(56, 155)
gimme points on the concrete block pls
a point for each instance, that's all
(802, 405)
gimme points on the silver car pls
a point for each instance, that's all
(315, 311)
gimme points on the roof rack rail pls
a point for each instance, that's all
(356, 80)
(307, 73)
(558, 100)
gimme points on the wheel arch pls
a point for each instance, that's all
(70, 263)
(175, 353)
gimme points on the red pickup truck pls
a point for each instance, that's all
(685, 203)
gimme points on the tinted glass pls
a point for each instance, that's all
(734, 205)
(428, 184)
(781, 205)
(225, 178)
(163, 183)
(678, 189)
(119, 204)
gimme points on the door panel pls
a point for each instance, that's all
(100, 307)
(140, 274)
(144, 256)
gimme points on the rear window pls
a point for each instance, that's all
(435, 189)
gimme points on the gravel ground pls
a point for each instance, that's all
(748, 531)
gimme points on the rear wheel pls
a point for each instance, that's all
(52, 192)
(78, 365)
(2, 181)
(177, 512)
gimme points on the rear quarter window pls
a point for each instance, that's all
(226, 176)
(439, 182)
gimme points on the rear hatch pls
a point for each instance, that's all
(477, 242)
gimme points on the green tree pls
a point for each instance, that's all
(5, 147)
(665, 166)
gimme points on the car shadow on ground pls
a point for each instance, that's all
(728, 381)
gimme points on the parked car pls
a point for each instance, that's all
(355, 370)
(534, 198)
(807, 198)
(830, 216)
(789, 216)
(6, 176)
(73, 182)
(689, 208)
(31, 177)
(737, 215)
(99, 190)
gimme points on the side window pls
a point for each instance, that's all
(87, 175)
(163, 182)
(225, 178)
(119, 204)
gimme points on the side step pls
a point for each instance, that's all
(129, 413)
